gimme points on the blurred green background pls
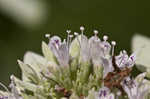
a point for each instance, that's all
(23, 24)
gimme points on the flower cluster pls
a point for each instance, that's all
(79, 68)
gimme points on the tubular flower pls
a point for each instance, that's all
(138, 88)
(104, 93)
(77, 68)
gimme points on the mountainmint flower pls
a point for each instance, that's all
(124, 60)
(138, 88)
(13, 94)
(60, 50)
(104, 93)
(77, 67)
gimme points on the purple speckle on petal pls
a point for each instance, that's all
(132, 58)
(57, 41)
(104, 93)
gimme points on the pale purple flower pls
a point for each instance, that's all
(136, 89)
(107, 64)
(100, 52)
(13, 94)
(104, 93)
(123, 60)
(85, 49)
(95, 50)
(106, 47)
(60, 50)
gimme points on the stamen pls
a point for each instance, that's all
(68, 38)
(82, 29)
(113, 47)
(71, 36)
(47, 36)
(124, 52)
(68, 31)
(12, 78)
(105, 37)
(113, 43)
(77, 35)
(95, 32)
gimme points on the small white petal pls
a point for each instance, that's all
(85, 48)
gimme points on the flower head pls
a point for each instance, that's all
(85, 68)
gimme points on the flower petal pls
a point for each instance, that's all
(36, 61)
(48, 52)
(95, 51)
(75, 47)
(143, 42)
(85, 52)
(63, 55)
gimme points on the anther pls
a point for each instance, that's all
(113, 47)
(12, 77)
(76, 34)
(71, 36)
(95, 32)
(113, 43)
(105, 37)
(47, 35)
(82, 28)
(124, 52)
(68, 31)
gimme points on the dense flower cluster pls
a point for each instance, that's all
(78, 68)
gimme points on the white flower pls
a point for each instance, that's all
(60, 50)
(124, 60)
(142, 43)
(85, 48)
(104, 93)
(79, 67)
(13, 94)
(136, 89)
